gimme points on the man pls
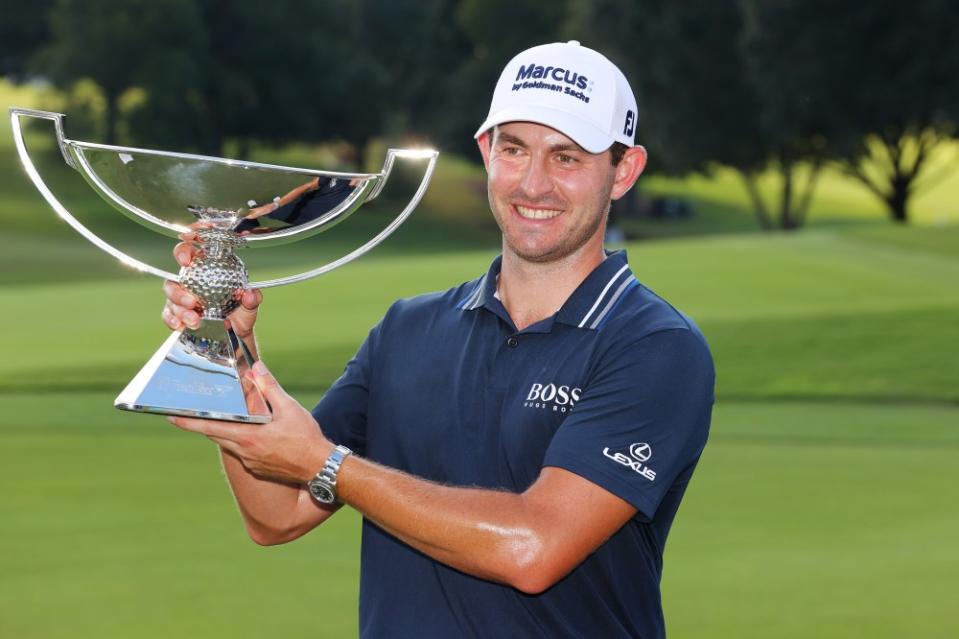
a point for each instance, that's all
(518, 445)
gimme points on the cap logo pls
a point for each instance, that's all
(630, 123)
(542, 76)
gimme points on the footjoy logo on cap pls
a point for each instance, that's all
(638, 455)
(630, 123)
(541, 77)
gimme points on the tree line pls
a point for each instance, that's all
(788, 86)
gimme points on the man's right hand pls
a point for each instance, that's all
(183, 310)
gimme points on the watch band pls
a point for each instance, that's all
(332, 465)
(326, 478)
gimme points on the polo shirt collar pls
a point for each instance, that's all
(596, 296)
(484, 293)
(586, 308)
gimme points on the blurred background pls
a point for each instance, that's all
(800, 204)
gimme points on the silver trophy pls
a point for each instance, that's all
(229, 204)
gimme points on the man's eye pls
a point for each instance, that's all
(566, 159)
(510, 150)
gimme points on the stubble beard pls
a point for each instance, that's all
(568, 245)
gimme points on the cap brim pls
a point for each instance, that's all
(582, 133)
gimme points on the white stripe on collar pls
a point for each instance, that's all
(612, 301)
(474, 299)
(602, 294)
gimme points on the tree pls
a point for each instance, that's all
(877, 79)
(121, 45)
(23, 31)
(494, 31)
(328, 69)
(215, 70)
(698, 105)
(419, 45)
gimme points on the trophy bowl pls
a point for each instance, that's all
(226, 205)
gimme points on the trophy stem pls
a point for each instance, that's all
(198, 373)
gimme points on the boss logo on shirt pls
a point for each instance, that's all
(638, 455)
(560, 399)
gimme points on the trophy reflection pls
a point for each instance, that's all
(226, 205)
(304, 203)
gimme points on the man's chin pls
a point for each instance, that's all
(538, 258)
(541, 254)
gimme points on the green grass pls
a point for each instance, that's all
(833, 520)
(115, 526)
(810, 520)
(824, 505)
(813, 315)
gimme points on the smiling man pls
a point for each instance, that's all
(518, 445)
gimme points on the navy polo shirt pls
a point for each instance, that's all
(616, 387)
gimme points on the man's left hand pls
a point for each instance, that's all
(290, 448)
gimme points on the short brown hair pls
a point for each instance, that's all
(616, 152)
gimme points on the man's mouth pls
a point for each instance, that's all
(536, 214)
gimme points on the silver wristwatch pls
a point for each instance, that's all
(323, 486)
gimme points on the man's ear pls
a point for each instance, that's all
(628, 170)
(485, 142)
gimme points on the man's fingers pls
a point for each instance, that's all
(255, 402)
(188, 317)
(228, 445)
(184, 253)
(177, 317)
(178, 295)
(227, 431)
(170, 319)
(251, 298)
(271, 389)
(181, 307)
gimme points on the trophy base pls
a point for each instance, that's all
(198, 373)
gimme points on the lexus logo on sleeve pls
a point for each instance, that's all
(642, 452)
(639, 454)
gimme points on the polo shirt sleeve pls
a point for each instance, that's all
(642, 419)
(342, 411)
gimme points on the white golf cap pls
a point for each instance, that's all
(570, 88)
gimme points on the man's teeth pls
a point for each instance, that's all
(537, 214)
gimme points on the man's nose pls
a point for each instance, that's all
(536, 181)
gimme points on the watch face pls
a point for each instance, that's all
(321, 493)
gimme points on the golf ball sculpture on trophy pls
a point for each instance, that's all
(226, 205)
